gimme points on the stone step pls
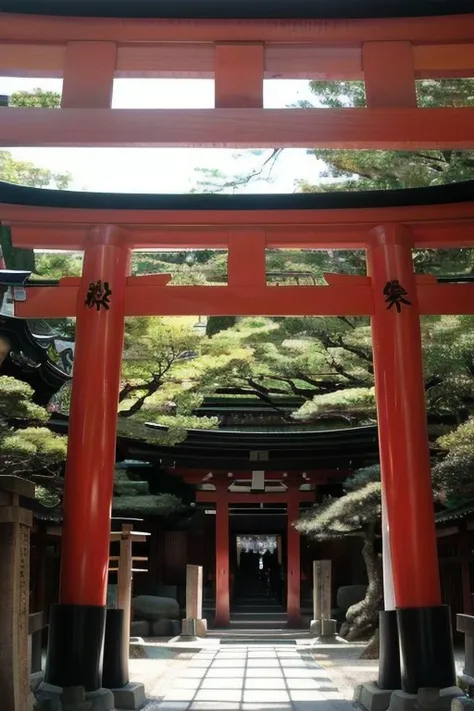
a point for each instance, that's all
(257, 608)
(245, 625)
(255, 616)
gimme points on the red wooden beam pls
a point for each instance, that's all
(346, 295)
(59, 30)
(282, 60)
(42, 227)
(393, 129)
(445, 233)
(61, 301)
(208, 497)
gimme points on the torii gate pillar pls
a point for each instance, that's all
(424, 624)
(78, 623)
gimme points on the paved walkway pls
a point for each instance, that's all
(253, 678)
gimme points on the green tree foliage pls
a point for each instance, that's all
(382, 170)
(161, 383)
(132, 496)
(453, 475)
(27, 447)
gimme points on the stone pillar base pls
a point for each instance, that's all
(132, 696)
(371, 697)
(53, 698)
(192, 627)
(435, 699)
(201, 628)
(325, 630)
(466, 682)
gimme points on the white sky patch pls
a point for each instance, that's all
(168, 170)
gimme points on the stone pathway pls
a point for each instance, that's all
(252, 678)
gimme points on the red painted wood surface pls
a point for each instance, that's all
(89, 69)
(31, 28)
(60, 301)
(248, 498)
(381, 129)
(389, 74)
(448, 225)
(92, 435)
(239, 74)
(403, 434)
(196, 60)
(222, 618)
(293, 561)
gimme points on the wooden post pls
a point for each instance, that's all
(322, 589)
(194, 591)
(15, 525)
(89, 70)
(464, 553)
(322, 623)
(293, 561)
(239, 70)
(124, 584)
(194, 598)
(222, 618)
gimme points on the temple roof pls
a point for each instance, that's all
(330, 449)
(240, 9)
(11, 194)
(29, 359)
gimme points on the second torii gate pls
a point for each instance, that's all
(393, 296)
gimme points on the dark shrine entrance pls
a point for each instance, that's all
(258, 578)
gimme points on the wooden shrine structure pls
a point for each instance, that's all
(389, 50)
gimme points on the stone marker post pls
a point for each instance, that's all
(322, 625)
(194, 601)
(124, 584)
(15, 525)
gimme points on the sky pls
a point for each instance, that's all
(167, 170)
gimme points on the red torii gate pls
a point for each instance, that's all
(389, 54)
(388, 234)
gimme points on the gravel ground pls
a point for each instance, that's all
(347, 670)
(159, 669)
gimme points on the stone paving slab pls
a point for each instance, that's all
(252, 678)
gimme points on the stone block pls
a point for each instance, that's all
(466, 683)
(371, 697)
(201, 628)
(53, 698)
(161, 628)
(465, 703)
(434, 699)
(132, 696)
(16, 485)
(148, 607)
(175, 627)
(35, 680)
(140, 628)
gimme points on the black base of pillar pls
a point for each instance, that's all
(389, 660)
(115, 674)
(426, 648)
(76, 646)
